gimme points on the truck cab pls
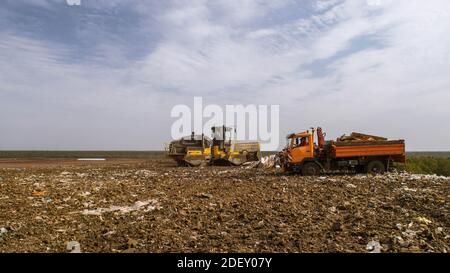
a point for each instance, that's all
(300, 153)
(301, 146)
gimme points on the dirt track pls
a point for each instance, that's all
(149, 205)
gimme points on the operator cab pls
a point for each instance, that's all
(222, 136)
(298, 140)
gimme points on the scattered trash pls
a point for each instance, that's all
(82, 175)
(39, 193)
(3, 231)
(409, 234)
(374, 247)
(408, 189)
(47, 200)
(132, 243)
(85, 194)
(351, 186)
(73, 247)
(266, 162)
(205, 195)
(145, 173)
(423, 220)
(146, 206)
(413, 177)
(260, 224)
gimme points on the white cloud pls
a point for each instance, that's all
(73, 2)
(46, 103)
(348, 66)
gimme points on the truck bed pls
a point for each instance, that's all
(393, 148)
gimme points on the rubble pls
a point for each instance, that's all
(145, 173)
(3, 231)
(266, 162)
(146, 206)
(38, 193)
(132, 243)
(374, 247)
(205, 195)
(73, 247)
(113, 208)
(424, 220)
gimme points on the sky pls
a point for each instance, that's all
(105, 74)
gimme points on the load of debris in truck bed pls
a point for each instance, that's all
(360, 137)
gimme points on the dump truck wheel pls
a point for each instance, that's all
(375, 167)
(310, 169)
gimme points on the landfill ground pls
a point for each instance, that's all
(150, 205)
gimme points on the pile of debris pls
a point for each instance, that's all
(267, 162)
(360, 137)
(146, 206)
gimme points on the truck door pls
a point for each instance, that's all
(300, 149)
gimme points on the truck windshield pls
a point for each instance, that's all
(288, 142)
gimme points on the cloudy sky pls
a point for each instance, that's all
(105, 74)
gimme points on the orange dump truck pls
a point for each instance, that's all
(356, 153)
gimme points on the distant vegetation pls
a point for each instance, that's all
(432, 154)
(427, 164)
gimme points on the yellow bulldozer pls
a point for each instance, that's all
(222, 149)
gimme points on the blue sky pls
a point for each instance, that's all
(105, 74)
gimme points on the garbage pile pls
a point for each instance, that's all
(154, 206)
(266, 162)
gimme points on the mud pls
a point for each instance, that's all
(150, 205)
